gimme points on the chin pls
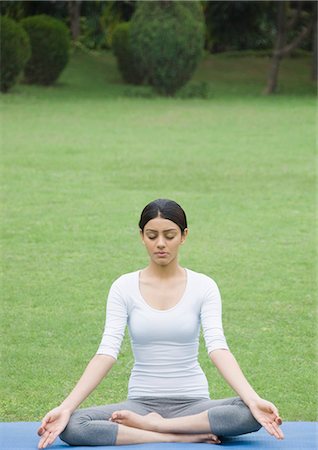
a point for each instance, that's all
(162, 262)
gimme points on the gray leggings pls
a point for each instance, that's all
(90, 426)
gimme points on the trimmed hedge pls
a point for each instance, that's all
(50, 43)
(15, 51)
(167, 40)
(125, 60)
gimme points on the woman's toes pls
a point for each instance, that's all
(115, 416)
(121, 416)
(214, 439)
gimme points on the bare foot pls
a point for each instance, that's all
(150, 422)
(208, 438)
(153, 422)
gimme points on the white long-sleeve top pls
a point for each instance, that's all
(165, 343)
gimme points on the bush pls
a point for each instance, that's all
(122, 50)
(50, 43)
(167, 39)
(15, 51)
(197, 89)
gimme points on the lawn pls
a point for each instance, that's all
(82, 158)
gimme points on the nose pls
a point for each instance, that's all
(161, 242)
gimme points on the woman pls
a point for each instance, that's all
(168, 398)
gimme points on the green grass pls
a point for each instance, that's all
(82, 158)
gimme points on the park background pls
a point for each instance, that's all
(81, 158)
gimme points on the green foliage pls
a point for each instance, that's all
(99, 20)
(93, 31)
(18, 10)
(14, 10)
(193, 89)
(15, 51)
(167, 39)
(50, 43)
(125, 60)
(239, 25)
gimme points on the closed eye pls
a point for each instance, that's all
(168, 236)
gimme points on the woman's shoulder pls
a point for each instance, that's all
(202, 279)
(126, 280)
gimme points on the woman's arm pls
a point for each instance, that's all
(228, 367)
(56, 420)
(116, 319)
(96, 370)
(264, 412)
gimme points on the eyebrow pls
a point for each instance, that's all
(156, 231)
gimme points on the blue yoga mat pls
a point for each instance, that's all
(298, 436)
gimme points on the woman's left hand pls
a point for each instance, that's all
(267, 415)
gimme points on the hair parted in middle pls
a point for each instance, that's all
(166, 209)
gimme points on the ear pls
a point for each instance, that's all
(184, 235)
(142, 236)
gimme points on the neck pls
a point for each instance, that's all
(171, 270)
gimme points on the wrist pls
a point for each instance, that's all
(251, 400)
(67, 408)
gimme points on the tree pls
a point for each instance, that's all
(314, 60)
(166, 41)
(238, 25)
(282, 47)
(74, 8)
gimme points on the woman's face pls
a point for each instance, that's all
(162, 238)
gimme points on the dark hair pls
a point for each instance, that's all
(167, 209)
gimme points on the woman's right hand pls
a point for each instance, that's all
(52, 425)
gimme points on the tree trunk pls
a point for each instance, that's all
(283, 49)
(74, 13)
(273, 75)
(314, 60)
(279, 44)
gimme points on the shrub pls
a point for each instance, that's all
(167, 39)
(50, 43)
(197, 89)
(15, 51)
(122, 50)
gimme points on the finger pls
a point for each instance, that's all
(42, 426)
(275, 410)
(43, 440)
(278, 432)
(41, 430)
(278, 420)
(273, 418)
(52, 437)
(47, 439)
(281, 434)
(273, 430)
(269, 428)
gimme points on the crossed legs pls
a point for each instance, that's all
(231, 418)
(132, 423)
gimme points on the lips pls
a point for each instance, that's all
(161, 254)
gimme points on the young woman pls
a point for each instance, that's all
(164, 306)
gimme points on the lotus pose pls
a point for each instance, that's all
(164, 306)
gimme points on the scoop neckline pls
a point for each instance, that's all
(169, 309)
